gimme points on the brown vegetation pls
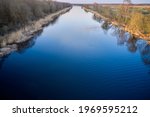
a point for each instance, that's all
(15, 14)
(10, 42)
(134, 19)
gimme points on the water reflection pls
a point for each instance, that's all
(105, 25)
(2, 60)
(54, 20)
(22, 47)
(123, 39)
(121, 35)
(98, 19)
(132, 43)
(145, 52)
(68, 63)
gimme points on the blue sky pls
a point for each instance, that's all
(103, 1)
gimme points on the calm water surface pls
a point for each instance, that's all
(78, 57)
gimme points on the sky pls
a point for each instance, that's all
(103, 1)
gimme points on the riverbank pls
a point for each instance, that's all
(8, 42)
(123, 27)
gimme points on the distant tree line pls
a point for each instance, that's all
(17, 13)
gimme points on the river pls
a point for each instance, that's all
(78, 57)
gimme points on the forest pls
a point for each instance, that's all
(15, 14)
(135, 18)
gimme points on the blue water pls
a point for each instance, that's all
(78, 57)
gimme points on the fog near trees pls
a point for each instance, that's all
(17, 13)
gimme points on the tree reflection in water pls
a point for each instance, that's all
(132, 43)
(105, 25)
(123, 39)
(2, 60)
(98, 19)
(22, 47)
(54, 21)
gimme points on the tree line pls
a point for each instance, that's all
(135, 18)
(17, 13)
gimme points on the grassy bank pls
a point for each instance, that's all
(15, 14)
(134, 19)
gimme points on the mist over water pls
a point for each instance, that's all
(78, 57)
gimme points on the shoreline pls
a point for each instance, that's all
(8, 42)
(123, 27)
